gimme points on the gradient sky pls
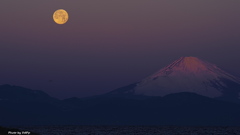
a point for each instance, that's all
(109, 44)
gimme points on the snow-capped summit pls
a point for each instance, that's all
(188, 74)
(187, 65)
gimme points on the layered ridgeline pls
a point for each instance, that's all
(187, 74)
(188, 92)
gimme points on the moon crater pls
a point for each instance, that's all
(60, 16)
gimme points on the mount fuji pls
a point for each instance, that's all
(187, 92)
(187, 74)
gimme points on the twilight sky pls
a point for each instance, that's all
(109, 44)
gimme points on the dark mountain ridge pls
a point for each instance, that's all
(188, 92)
(174, 109)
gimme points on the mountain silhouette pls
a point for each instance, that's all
(188, 92)
(187, 74)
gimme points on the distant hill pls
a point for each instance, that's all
(174, 109)
(20, 94)
(188, 92)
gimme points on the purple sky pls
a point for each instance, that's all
(109, 44)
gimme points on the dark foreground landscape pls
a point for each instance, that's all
(132, 130)
(190, 103)
(20, 106)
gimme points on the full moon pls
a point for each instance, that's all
(60, 16)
